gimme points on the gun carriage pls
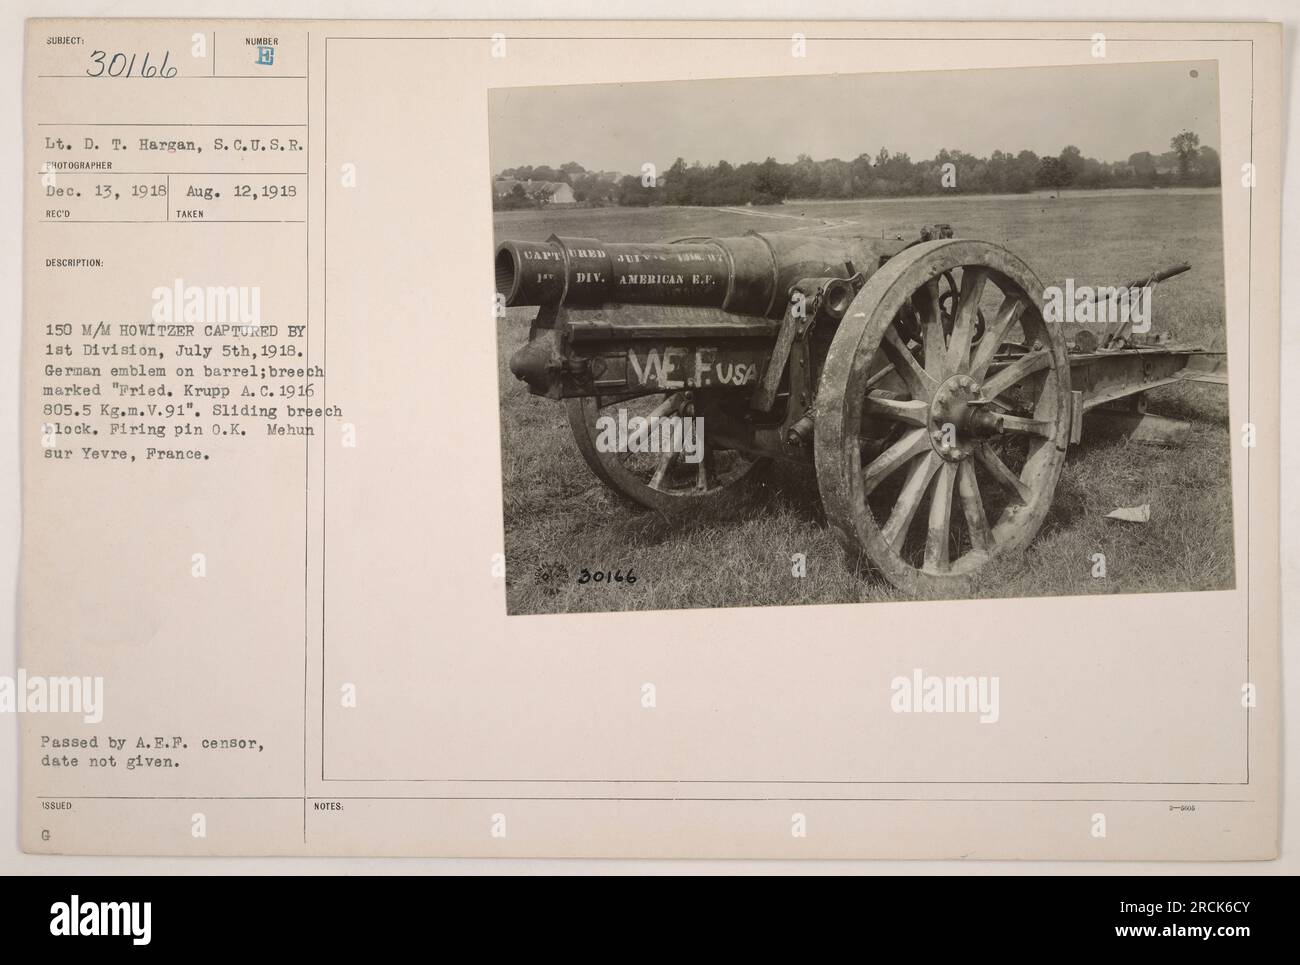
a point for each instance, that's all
(919, 377)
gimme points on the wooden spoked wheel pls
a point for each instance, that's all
(915, 421)
(667, 481)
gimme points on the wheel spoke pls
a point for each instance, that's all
(936, 537)
(932, 340)
(994, 334)
(666, 462)
(670, 404)
(1009, 480)
(911, 411)
(704, 475)
(1015, 372)
(919, 381)
(909, 499)
(911, 445)
(972, 504)
(973, 281)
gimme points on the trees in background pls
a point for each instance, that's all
(1188, 148)
(883, 175)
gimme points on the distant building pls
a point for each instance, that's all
(552, 192)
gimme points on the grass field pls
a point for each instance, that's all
(559, 518)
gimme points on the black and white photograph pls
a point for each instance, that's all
(853, 338)
(627, 440)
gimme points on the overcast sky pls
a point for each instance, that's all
(1107, 111)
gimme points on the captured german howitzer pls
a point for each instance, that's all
(910, 372)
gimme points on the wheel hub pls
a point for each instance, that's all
(958, 419)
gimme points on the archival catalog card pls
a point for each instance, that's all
(651, 439)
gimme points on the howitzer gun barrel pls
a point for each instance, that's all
(752, 274)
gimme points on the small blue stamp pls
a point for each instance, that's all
(266, 55)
